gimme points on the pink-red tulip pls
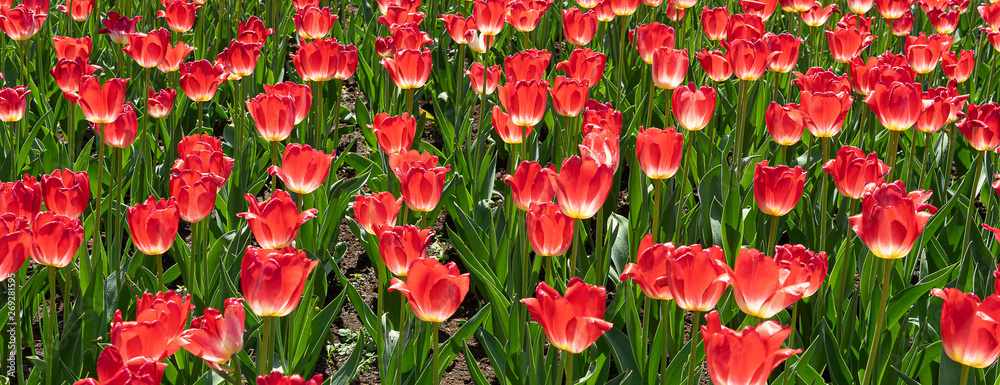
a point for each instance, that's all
(763, 286)
(275, 222)
(148, 50)
(777, 189)
(216, 336)
(525, 100)
(433, 290)
(569, 96)
(650, 267)
(303, 169)
(395, 134)
(15, 243)
(579, 27)
(70, 48)
(981, 126)
(582, 185)
(970, 328)
(550, 232)
(377, 210)
(66, 192)
(659, 151)
(476, 76)
(301, 97)
(649, 37)
(422, 187)
(401, 246)
(180, 15)
(273, 115)
(530, 184)
(891, 219)
(693, 107)
(153, 225)
(272, 280)
(409, 69)
(118, 27)
(669, 67)
(194, 194)
(784, 123)
(55, 239)
(584, 64)
(313, 23)
(852, 170)
(23, 198)
(695, 276)
(743, 357)
(122, 132)
(571, 322)
(239, 59)
(174, 57)
(100, 103)
(200, 79)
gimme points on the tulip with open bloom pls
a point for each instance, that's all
(893, 9)
(153, 225)
(433, 290)
(584, 64)
(70, 48)
(784, 123)
(891, 219)
(624, 7)
(525, 100)
(400, 164)
(160, 103)
(569, 96)
(744, 357)
(695, 276)
(507, 130)
(529, 64)
(100, 103)
(155, 333)
(479, 42)
(490, 15)
(456, 25)
(253, 31)
(763, 286)
(524, 15)
(669, 67)
(112, 369)
(579, 27)
(377, 210)
(180, 15)
(693, 107)
(852, 170)
(313, 23)
(409, 68)
(55, 239)
(400, 246)
(550, 232)
(68, 75)
(174, 57)
(970, 328)
(897, 105)
(239, 59)
(847, 43)
(13, 103)
(714, 64)
(394, 133)
(200, 79)
(786, 49)
(148, 50)
(275, 222)
(122, 132)
(938, 107)
(66, 192)
(217, 336)
(777, 189)
(571, 322)
(530, 184)
(23, 198)
(303, 169)
(923, 53)
(492, 76)
(582, 186)
(205, 161)
(602, 146)
(301, 97)
(650, 266)
(602, 116)
(118, 27)
(817, 15)
(15, 243)
(273, 115)
(748, 58)
(649, 37)
(272, 280)
(320, 60)
(194, 193)
(78, 10)
(422, 187)
(981, 126)
(958, 66)
(659, 151)
(21, 22)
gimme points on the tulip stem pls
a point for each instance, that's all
(159, 271)
(379, 326)
(118, 158)
(409, 100)
(772, 234)
(621, 59)
(339, 92)
(928, 140)
(696, 321)
(649, 106)
(237, 370)
(848, 259)
(274, 162)
(15, 279)
(880, 323)
(434, 346)
(320, 119)
(657, 199)
(53, 325)
(824, 193)
(964, 379)
(973, 190)
(665, 331)
(95, 252)
(71, 132)
(573, 251)
(681, 186)
(549, 272)
(144, 148)
(891, 152)
(741, 117)
(200, 106)
(569, 368)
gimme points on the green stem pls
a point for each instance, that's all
(575, 248)
(119, 156)
(621, 59)
(569, 368)
(159, 272)
(263, 362)
(738, 150)
(772, 234)
(549, 272)
(928, 143)
(952, 141)
(891, 153)
(379, 326)
(200, 127)
(409, 101)
(320, 109)
(237, 370)
(824, 193)
(657, 198)
(649, 106)
(602, 272)
(665, 331)
(53, 326)
(339, 92)
(434, 345)
(647, 327)
(274, 162)
(145, 148)
(880, 323)
(964, 379)
(681, 187)
(98, 245)
(71, 132)
(848, 259)
(668, 111)
(18, 338)
(696, 319)
(973, 191)
(398, 354)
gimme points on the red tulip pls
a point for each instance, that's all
(748, 58)
(118, 27)
(175, 55)
(400, 164)
(153, 225)
(401, 246)
(506, 129)
(100, 103)
(253, 31)
(649, 37)
(68, 75)
(56, 238)
(409, 69)
(198, 142)
(22, 198)
(276, 378)
(318, 60)
(112, 369)
(122, 132)
(808, 266)
(301, 97)
(394, 133)
(669, 67)
(969, 328)
(274, 116)
(478, 42)
(475, 73)
(13, 103)
(651, 266)
(272, 280)
(763, 286)
(200, 79)
(990, 12)
(847, 43)
(69, 48)
(456, 26)
(825, 111)
(489, 16)
(422, 187)
(937, 109)
(817, 15)
(714, 21)
(692, 107)
(79, 10)
(818, 80)
(744, 357)
(524, 15)
(569, 96)
(943, 21)
(659, 152)
(239, 59)
(893, 9)
(21, 23)
(159, 104)
(194, 193)
(180, 15)
(897, 105)
(275, 222)
(981, 126)
(15, 243)
(582, 186)
(602, 147)
(205, 162)
(384, 5)
(777, 189)
(958, 66)
(409, 36)
(891, 219)
(851, 171)
(571, 322)
(550, 232)
(602, 116)
(313, 23)
(66, 192)
(155, 333)
(584, 64)
(216, 337)
(395, 15)
(525, 100)
(434, 291)
(786, 49)
(529, 64)
(377, 210)
(530, 184)
(784, 123)
(762, 8)
(303, 169)
(148, 50)
(860, 7)
(579, 28)
(923, 53)
(715, 64)
(602, 9)
(624, 7)
(696, 277)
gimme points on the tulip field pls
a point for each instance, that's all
(509, 192)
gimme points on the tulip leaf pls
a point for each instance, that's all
(350, 367)
(474, 371)
(901, 303)
(449, 349)
(495, 352)
(624, 357)
(838, 369)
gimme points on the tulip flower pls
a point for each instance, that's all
(13, 103)
(713, 22)
(174, 57)
(198, 142)
(744, 357)
(744, 26)
(529, 64)
(602, 147)
(569, 96)
(958, 66)
(70, 48)
(659, 152)
(118, 28)
(159, 104)
(78, 10)
(891, 219)
(696, 277)
(68, 75)
(579, 28)
(66, 192)
(571, 322)
(148, 50)
(377, 210)
(923, 53)
(313, 23)
(239, 59)
(253, 31)
(200, 79)
(817, 80)
(748, 58)
(524, 15)
(400, 164)
(530, 184)
(624, 7)
(807, 265)
(385, 5)
(479, 42)
(22, 198)
(785, 49)
(825, 112)
(112, 369)
(276, 378)
(205, 162)
(319, 60)
(602, 9)
(21, 23)
(550, 232)
(897, 105)
(763, 286)
(55, 239)
(602, 116)
(153, 225)
(649, 37)
(15, 243)
(981, 126)
(456, 25)
(303, 169)
(194, 194)
(180, 15)
(475, 74)
(100, 103)
(409, 36)
(943, 21)
(761, 8)
(395, 134)
(216, 337)
(584, 64)
(489, 16)
(582, 186)
(433, 290)
(401, 246)
(422, 187)
(893, 9)
(155, 333)
(272, 280)
(409, 69)
(275, 222)
(669, 67)
(396, 15)
(650, 267)
(122, 132)
(693, 107)
(273, 115)
(525, 100)
(969, 327)
(715, 64)
(817, 15)
(777, 189)
(784, 123)
(847, 43)
(937, 110)
(301, 97)
(851, 171)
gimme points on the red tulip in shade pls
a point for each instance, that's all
(273, 115)
(55, 239)
(602, 146)
(489, 16)
(15, 243)
(153, 225)
(784, 123)
(530, 184)
(817, 15)
(112, 369)
(377, 210)
(68, 75)
(122, 132)
(777, 189)
(713, 22)
(525, 100)
(118, 27)
(275, 222)
(748, 58)
(21, 23)
(550, 232)
(216, 337)
(785, 52)
(530, 64)
(571, 322)
(897, 105)
(272, 280)
(253, 31)
(958, 66)
(71, 48)
(180, 15)
(175, 55)
(303, 169)
(847, 43)
(433, 290)
(651, 265)
(200, 79)
(475, 74)
(763, 286)
(981, 126)
(66, 192)
(891, 219)
(579, 27)
(301, 97)
(239, 59)
(669, 67)
(321, 60)
(970, 328)
(584, 64)
(421, 187)
(313, 23)
(649, 37)
(100, 103)
(693, 107)
(194, 194)
(456, 25)
(394, 133)
(746, 357)
(659, 151)
(148, 50)
(22, 198)
(582, 186)
(524, 15)
(400, 246)
(409, 68)
(851, 171)
(569, 96)
(13, 103)
(78, 10)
